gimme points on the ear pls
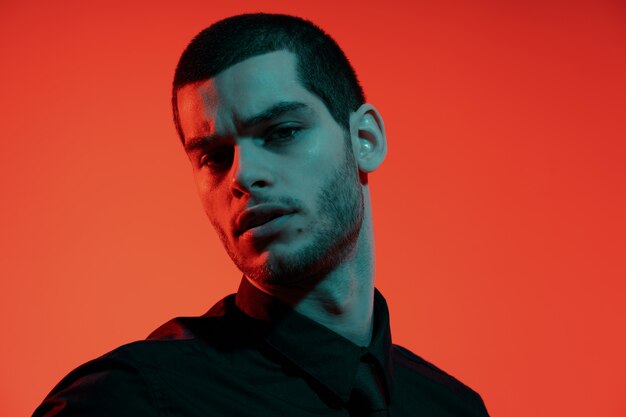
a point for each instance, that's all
(367, 132)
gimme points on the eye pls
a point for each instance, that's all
(282, 133)
(217, 158)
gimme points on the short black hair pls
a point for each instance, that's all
(322, 67)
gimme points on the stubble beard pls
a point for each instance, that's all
(341, 206)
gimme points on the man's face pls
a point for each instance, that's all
(275, 172)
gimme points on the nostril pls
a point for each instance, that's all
(237, 193)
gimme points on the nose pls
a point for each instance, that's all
(251, 170)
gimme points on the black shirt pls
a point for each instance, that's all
(225, 363)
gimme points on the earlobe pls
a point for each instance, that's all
(368, 137)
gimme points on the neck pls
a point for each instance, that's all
(342, 300)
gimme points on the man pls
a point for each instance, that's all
(281, 142)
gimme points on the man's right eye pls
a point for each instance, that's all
(217, 158)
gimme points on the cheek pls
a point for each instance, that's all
(213, 197)
(218, 216)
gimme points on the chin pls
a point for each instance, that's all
(274, 269)
(286, 269)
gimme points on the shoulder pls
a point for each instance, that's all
(416, 376)
(413, 364)
(118, 383)
(128, 380)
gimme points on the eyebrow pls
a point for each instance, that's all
(198, 142)
(273, 112)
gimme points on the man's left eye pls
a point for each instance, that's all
(282, 133)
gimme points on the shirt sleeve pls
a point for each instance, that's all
(107, 386)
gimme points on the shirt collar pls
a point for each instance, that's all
(326, 356)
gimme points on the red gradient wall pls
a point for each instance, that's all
(499, 213)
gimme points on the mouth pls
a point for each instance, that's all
(262, 219)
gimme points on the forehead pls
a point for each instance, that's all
(240, 92)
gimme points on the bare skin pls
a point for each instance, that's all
(285, 187)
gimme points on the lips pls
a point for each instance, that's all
(259, 215)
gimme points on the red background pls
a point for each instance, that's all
(499, 213)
